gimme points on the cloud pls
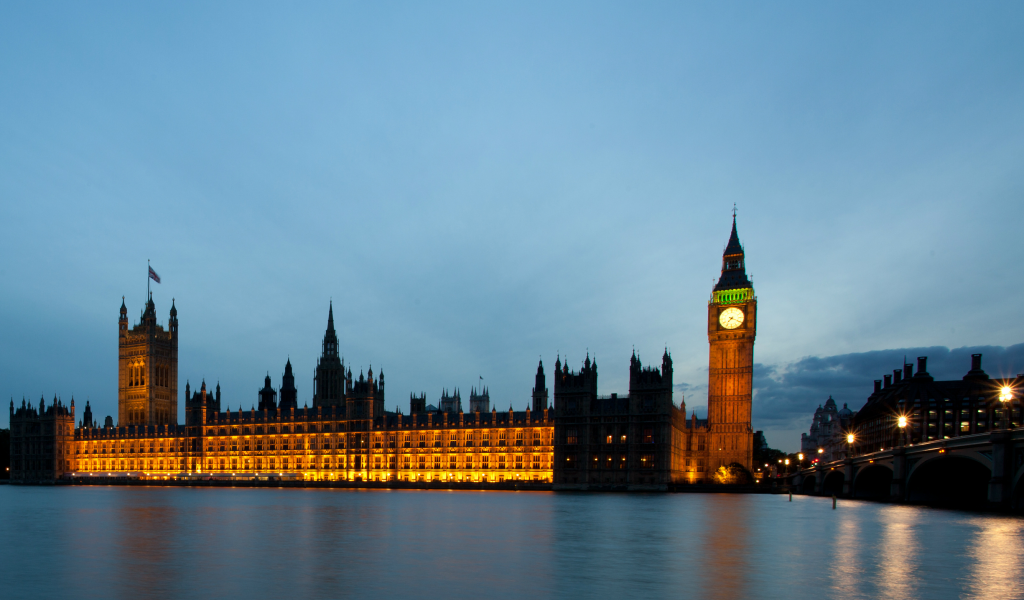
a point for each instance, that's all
(785, 395)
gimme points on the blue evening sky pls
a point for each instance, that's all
(479, 185)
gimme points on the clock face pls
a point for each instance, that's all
(731, 318)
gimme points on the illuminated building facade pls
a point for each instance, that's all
(147, 369)
(732, 326)
(584, 441)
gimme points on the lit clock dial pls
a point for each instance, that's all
(731, 318)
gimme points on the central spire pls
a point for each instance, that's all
(330, 337)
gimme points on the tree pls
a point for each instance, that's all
(734, 474)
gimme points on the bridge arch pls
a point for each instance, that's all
(833, 483)
(808, 485)
(950, 480)
(873, 482)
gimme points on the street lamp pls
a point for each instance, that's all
(1006, 398)
(849, 445)
(902, 423)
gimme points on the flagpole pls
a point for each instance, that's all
(147, 280)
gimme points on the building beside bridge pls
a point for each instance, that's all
(960, 442)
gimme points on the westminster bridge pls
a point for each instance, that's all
(980, 470)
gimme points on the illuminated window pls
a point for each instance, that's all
(452, 442)
(501, 438)
(501, 461)
(622, 461)
(648, 435)
(536, 461)
(486, 462)
(437, 462)
(608, 439)
(519, 438)
(571, 436)
(519, 461)
(646, 461)
(622, 439)
(451, 462)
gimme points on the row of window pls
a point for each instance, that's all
(517, 462)
(646, 437)
(610, 461)
(137, 375)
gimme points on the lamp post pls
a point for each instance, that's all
(849, 445)
(902, 423)
(1006, 399)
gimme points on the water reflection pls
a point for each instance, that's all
(239, 543)
(995, 559)
(847, 571)
(726, 541)
(897, 578)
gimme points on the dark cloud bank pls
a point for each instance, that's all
(785, 396)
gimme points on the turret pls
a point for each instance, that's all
(289, 395)
(540, 389)
(122, 321)
(172, 323)
(267, 396)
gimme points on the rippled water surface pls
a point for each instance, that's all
(118, 542)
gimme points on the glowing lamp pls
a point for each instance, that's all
(1005, 393)
(800, 456)
(902, 421)
(849, 438)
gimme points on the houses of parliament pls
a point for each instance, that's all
(581, 440)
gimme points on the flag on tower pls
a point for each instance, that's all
(153, 275)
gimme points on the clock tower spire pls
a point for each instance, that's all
(732, 324)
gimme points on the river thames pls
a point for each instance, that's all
(138, 542)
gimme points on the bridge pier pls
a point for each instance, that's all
(1000, 487)
(848, 478)
(819, 481)
(898, 489)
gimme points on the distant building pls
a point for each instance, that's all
(826, 440)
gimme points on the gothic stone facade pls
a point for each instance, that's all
(732, 326)
(585, 441)
(147, 369)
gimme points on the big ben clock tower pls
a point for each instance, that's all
(732, 324)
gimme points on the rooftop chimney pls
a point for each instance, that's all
(897, 375)
(908, 370)
(976, 372)
(878, 385)
(922, 366)
(888, 380)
